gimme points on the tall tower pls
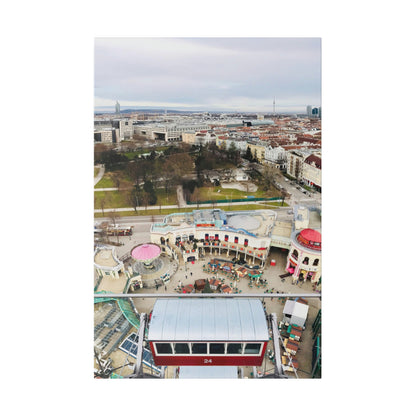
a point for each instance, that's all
(117, 107)
(274, 106)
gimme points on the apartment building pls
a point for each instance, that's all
(312, 171)
(295, 160)
(240, 144)
(258, 150)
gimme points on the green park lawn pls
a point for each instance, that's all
(119, 199)
(163, 199)
(211, 193)
(108, 182)
(112, 199)
(105, 182)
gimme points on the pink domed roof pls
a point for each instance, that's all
(146, 252)
(310, 238)
(311, 235)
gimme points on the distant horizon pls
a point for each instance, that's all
(111, 109)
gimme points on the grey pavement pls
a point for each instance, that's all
(100, 174)
(180, 198)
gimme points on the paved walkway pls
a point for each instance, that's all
(180, 198)
(111, 189)
(100, 174)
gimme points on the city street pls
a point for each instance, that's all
(297, 196)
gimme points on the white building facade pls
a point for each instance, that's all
(275, 155)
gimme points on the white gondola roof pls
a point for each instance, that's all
(208, 320)
(210, 371)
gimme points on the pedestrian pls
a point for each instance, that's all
(186, 276)
(166, 288)
(191, 274)
(180, 283)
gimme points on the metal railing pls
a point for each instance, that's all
(207, 295)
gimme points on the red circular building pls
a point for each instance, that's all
(304, 258)
(310, 239)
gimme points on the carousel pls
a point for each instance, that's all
(146, 256)
(150, 266)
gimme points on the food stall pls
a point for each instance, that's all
(188, 289)
(291, 346)
(199, 284)
(215, 284)
(226, 289)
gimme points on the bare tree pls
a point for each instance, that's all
(104, 232)
(269, 174)
(165, 172)
(146, 198)
(114, 217)
(181, 164)
(196, 196)
(118, 178)
(131, 199)
(99, 149)
(284, 195)
(106, 199)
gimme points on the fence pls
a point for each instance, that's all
(225, 201)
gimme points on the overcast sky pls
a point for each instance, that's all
(230, 74)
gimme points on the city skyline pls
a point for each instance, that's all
(208, 74)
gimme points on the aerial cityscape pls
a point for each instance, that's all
(207, 208)
(201, 235)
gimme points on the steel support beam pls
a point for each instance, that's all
(138, 368)
(278, 367)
